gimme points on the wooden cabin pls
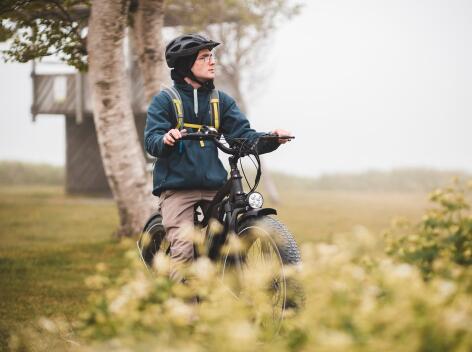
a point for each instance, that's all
(68, 95)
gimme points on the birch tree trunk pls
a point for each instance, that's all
(122, 156)
(148, 20)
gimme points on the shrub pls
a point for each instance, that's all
(442, 240)
(357, 298)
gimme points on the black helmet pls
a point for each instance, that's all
(186, 45)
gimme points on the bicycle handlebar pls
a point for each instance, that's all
(199, 136)
(239, 147)
(215, 137)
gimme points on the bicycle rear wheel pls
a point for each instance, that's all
(152, 239)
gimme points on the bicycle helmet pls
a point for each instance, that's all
(187, 45)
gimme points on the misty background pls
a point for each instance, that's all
(361, 84)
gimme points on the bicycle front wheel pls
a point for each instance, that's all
(265, 242)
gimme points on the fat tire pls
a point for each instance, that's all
(154, 230)
(289, 253)
(286, 244)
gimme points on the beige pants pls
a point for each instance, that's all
(177, 209)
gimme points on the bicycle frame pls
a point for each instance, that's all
(233, 208)
(229, 206)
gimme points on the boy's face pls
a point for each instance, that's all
(204, 66)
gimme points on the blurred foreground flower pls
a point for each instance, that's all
(356, 298)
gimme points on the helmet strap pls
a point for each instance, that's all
(207, 84)
(193, 78)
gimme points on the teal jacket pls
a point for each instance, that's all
(192, 166)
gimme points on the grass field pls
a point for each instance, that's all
(49, 242)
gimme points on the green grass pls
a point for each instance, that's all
(317, 215)
(50, 242)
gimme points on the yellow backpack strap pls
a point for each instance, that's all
(215, 108)
(197, 127)
(178, 110)
(192, 125)
(177, 104)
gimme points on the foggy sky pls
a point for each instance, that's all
(361, 84)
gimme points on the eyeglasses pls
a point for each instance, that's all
(207, 58)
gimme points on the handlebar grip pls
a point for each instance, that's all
(197, 136)
(276, 136)
(286, 137)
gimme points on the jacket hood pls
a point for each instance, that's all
(187, 88)
(179, 78)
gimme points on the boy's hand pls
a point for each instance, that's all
(173, 135)
(282, 133)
